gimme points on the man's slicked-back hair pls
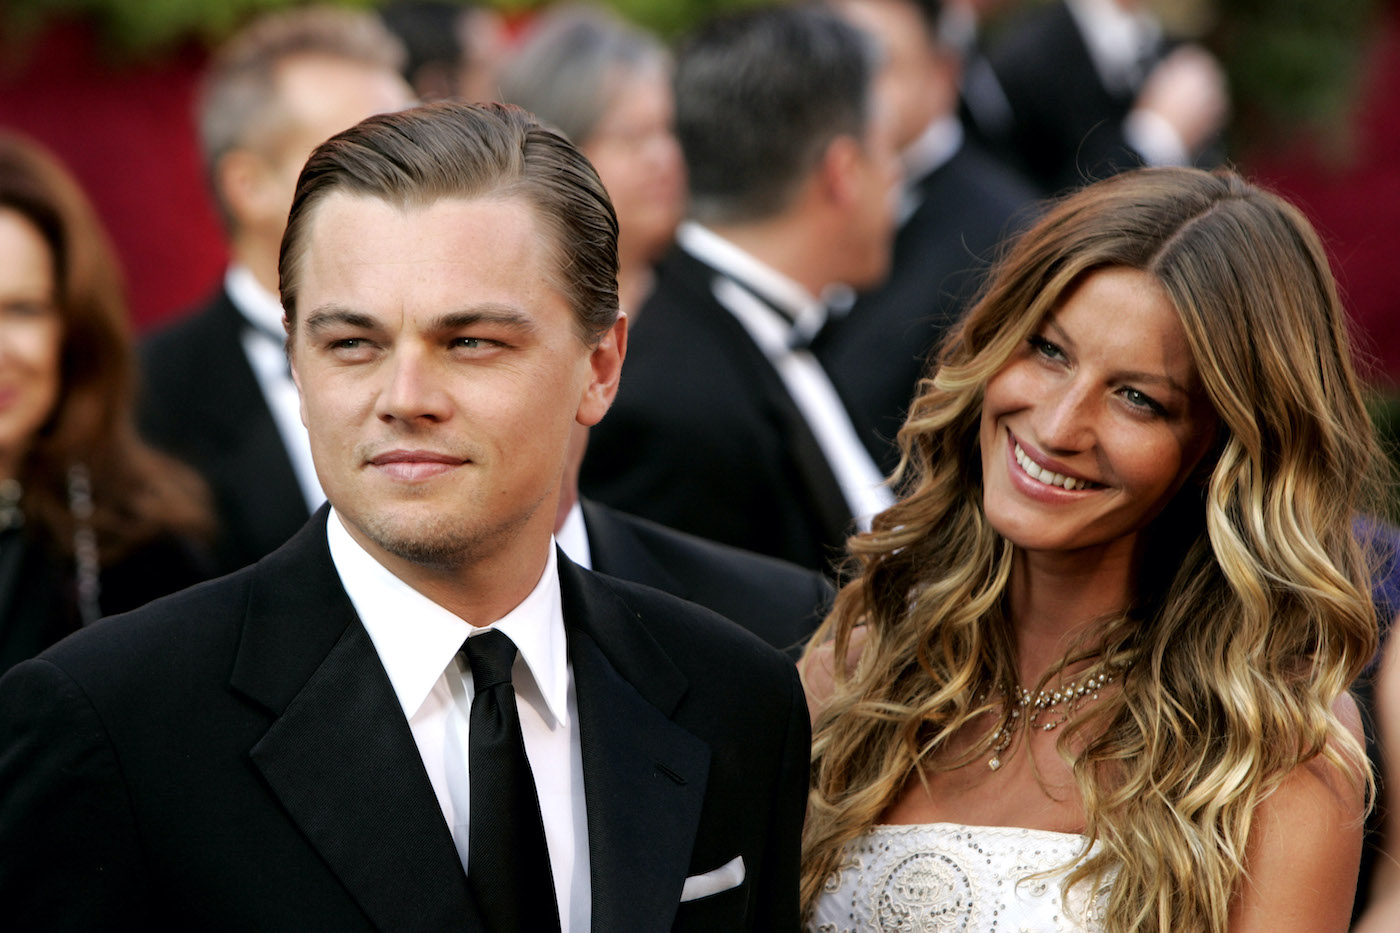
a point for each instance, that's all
(759, 97)
(448, 149)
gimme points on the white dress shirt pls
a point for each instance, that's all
(862, 483)
(418, 643)
(265, 347)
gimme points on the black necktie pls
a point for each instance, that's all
(507, 859)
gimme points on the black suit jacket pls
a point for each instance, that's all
(234, 758)
(201, 403)
(1067, 127)
(704, 437)
(777, 601)
(876, 353)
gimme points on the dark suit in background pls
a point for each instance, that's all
(875, 354)
(235, 758)
(777, 601)
(704, 437)
(1066, 126)
(201, 403)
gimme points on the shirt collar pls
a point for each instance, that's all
(417, 640)
(572, 537)
(938, 143)
(260, 307)
(806, 313)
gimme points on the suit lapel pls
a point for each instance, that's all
(339, 756)
(644, 776)
(825, 500)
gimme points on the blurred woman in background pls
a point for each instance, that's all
(92, 522)
(606, 85)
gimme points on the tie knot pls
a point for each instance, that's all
(490, 655)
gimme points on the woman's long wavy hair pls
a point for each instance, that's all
(1252, 613)
(137, 494)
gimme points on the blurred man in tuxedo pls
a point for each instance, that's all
(958, 204)
(726, 425)
(779, 602)
(417, 714)
(1079, 89)
(217, 392)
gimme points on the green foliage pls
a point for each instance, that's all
(137, 28)
(142, 28)
(670, 18)
(1293, 62)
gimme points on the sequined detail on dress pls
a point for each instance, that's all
(950, 878)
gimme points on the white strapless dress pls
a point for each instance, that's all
(946, 877)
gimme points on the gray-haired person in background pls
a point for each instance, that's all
(606, 85)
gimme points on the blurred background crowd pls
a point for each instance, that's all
(186, 124)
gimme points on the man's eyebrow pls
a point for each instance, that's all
(324, 318)
(493, 314)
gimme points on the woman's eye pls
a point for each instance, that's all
(1140, 399)
(1045, 348)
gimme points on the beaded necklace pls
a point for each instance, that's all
(1070, 697)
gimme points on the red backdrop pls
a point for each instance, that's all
(127, 132)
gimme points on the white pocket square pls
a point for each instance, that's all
(728, 875)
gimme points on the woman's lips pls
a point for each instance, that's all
(1045, 474)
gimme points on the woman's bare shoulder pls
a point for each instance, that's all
(818, 668)
(1305, 846)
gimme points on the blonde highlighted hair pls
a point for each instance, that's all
(1252, 613)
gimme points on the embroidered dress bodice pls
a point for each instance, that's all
(946, 877)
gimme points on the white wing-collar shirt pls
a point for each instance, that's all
(418, 643)
(264, 345)
(782, 336)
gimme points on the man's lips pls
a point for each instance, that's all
(415, 464)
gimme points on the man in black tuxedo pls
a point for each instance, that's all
(726, 426)
(1087, 88)
(959, 203)
(216, 392)
(417, 714)
(779, 602)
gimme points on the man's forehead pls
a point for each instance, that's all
(368, 254)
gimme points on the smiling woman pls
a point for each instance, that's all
(1091, 670)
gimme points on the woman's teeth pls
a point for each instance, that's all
(1036, 472)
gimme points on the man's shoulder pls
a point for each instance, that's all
(164, 630)
(985, 184)
(745, 566)
(193, 337)
(700, 642)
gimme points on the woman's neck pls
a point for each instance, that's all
(1053, 598)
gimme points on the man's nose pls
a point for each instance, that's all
(413, 388)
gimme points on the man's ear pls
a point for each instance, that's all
(605, 372)
(242, 178)
(838, 172)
